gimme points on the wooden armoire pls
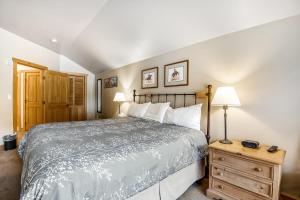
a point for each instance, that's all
(65, 97)
(77, 97)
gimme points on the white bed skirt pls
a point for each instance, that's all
(174, 185)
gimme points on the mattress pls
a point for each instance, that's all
(104, 159)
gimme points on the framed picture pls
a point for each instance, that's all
(111, 82)
(176, 74)
(149, 78)
(99, 95)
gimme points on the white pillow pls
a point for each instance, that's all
(189, 117)
(137, 110)
(157, 111)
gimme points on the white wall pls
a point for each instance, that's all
(67, 65)
(12, 45)
(263, 63)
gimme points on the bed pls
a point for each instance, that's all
(121, 158)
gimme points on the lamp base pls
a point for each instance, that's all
(226, 141)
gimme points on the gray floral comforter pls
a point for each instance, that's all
(104, 159)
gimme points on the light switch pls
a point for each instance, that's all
(9, 62)
(9, 96)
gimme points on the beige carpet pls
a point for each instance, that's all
(10, 174)
(196, 191)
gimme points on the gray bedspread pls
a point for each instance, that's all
(104, 159)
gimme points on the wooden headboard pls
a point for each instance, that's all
(168, 97)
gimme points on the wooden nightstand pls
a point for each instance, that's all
(236, 172)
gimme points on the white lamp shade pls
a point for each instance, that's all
(119, 96)
(226, 96)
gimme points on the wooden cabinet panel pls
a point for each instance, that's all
(79, 94)
(33, 99)
(77, 97)
(56, 97)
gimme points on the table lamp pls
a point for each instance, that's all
(119, 97)
(226, 97)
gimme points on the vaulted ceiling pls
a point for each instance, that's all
(106, 34)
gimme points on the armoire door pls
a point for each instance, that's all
(77, 97)
(56, 97)
(33, 99)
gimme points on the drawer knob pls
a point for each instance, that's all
(221, 159)
(220, 174)
(258, 169)
(221, 187)
(260, 187)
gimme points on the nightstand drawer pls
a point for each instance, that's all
(249, 184)
(242, 164)
(233, 191)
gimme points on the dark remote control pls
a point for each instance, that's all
(273, 149)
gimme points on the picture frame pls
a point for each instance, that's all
(149, 78)
(176, 74)
(99, 95)
(111, 82)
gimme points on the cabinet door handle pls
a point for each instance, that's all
(220, 174)
(258, 169)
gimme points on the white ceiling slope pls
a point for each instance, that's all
(106, 34)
